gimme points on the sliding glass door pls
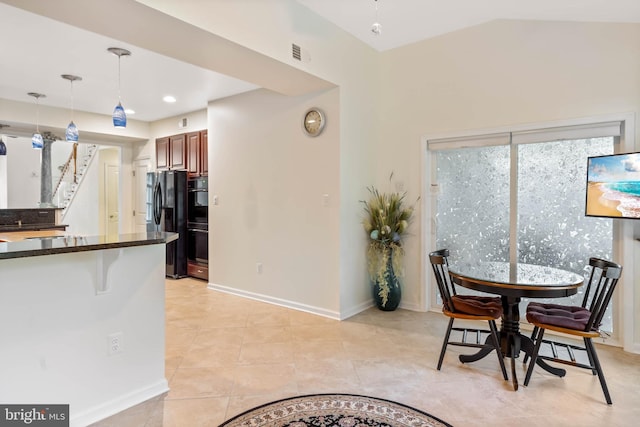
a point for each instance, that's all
(472, 218)
(536, 191)
(552, 227)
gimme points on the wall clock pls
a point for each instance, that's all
(313, 122)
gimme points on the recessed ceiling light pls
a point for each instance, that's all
(170, 99)
(129, 111)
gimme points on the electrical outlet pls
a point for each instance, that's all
(259, 268)
(115, 343)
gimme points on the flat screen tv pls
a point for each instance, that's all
(613, 186)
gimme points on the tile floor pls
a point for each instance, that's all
(226, 354)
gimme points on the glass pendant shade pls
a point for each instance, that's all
(119, 117)
(36, 141)
(71, 134)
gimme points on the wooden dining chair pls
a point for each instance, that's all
(467, 307)
(579, 321)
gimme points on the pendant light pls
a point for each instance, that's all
(36, 139)
(376, 28)
(71, 134)
(119, 116)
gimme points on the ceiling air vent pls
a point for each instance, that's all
(296, 52)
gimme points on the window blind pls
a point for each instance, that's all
(469, 141)
(592, 130)
(561, 133)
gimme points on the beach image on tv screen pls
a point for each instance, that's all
(613, 186)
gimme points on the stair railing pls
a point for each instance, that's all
(72, 175)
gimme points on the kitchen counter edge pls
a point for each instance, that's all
(41, 246)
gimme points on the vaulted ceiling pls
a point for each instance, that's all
(37, 50)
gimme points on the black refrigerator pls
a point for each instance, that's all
(168, 198)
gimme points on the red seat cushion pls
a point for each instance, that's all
(564, 316)
(477, 305)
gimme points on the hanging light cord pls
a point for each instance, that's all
(37, 114)
(119, 99)
(376, 27)
(71, 81)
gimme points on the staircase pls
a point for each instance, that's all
(72, 174)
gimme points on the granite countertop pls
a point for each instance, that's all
(27, 227)
(60, 244)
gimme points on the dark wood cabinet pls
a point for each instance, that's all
(184, 151)
(197, 163)
(198, 270)
(178, 148)
(204, 153)
(193, 153)
(162, 153)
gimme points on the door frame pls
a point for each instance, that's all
(137, 196)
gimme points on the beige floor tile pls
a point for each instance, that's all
(318, 350)
(326, 376)
(263, 334)
(226, 354)
(138, 415)
(208, 412)
(266, 352)
(265, 379)
(269, 317)
(201, 382)
(315, 332)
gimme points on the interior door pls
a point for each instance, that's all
(112, 174)
(142, 196)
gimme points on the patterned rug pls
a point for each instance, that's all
(334, 410)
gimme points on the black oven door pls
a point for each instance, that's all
(198, 251)
(198, 200)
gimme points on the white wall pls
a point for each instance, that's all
(83, 215)
(269, 27)
(56, 327)
(271, 180)
(23, 170)
(23, 174)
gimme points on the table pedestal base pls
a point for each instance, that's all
(512, 342)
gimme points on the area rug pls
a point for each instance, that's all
(334, 410)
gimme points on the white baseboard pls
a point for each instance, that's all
(411, 306)
(342, 315)
(356, 309)
(633, 349)
(277, 301)
(119, 404)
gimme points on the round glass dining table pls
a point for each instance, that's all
(512, 281)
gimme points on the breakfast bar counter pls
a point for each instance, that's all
(83, 321)
(50, 242)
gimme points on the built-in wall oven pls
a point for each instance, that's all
(198, 228)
